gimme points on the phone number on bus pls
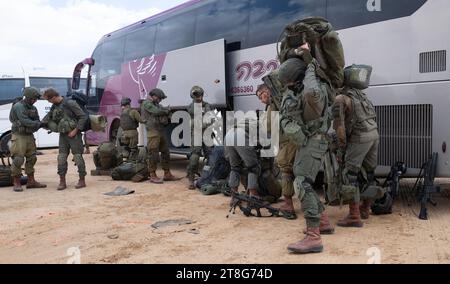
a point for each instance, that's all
(242, 90)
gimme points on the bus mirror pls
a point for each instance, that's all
(76, 78)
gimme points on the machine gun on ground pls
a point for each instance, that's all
(249, 203)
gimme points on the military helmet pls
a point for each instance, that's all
(125, 101)
(197, 91)
(158, 93)
(31, 93)
(292, 70)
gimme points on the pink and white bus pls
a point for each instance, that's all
(227, 46)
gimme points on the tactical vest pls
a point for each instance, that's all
(154, 122)
(30, 112)
(127, 122)
(59, 115)
(313, 127)
(363, 117)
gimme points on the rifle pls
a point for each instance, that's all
(251, 203)
(275, 87)
(427, 186)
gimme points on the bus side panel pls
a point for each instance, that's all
(202, 65)
(413, 124)
(247, 67)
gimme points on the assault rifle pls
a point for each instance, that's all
(248, 203)
(427, 186)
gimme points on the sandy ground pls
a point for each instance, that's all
(40, 226)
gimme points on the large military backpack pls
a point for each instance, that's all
(107, 156)
(325, 44)
(134, 171)
(95, 122)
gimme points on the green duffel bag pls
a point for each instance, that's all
(135, 172)
(107, 156)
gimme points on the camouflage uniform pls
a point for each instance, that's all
(157, 118)
(286, 154)
(25, 121)
(197, 151)
(305, 120)
(129, 122)
(242, 159)
(358, 137)
(69, 116)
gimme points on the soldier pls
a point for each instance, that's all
(197, 94)
(129, 122)
(157, 118)
(286, 154)
(242, 158)
(70, 120)
(358, 139)
(25, 121)
(305, 120)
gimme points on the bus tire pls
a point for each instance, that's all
(114, 131)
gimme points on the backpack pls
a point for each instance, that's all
(107, 156)
(217, 168)
(325, 44)
(95, 123)
(134, 171)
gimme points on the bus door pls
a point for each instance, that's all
(200, 65)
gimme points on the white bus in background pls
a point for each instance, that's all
(11, 88)
(227, 46)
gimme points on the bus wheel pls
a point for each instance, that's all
(114, 131)
(5, 143)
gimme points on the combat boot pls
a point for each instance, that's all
(32, 183)
(353, 219)
(364, 209)
(168, 176)
(155, 179)
(191, 185)
(17, 184)
(287, 209)
(325, 227)
(312, 243)
(81, 183)
(62, 183)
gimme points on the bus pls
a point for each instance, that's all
(12, 87)
(227, 46)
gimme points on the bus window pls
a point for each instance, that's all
(175, 33)
(140, 43)
(112, 52)
(10, 89)
(351, 13)
(268, 18)
(226, 19)
(61, 85)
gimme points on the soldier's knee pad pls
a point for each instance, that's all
(18, 161)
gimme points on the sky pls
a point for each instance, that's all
(50, 37)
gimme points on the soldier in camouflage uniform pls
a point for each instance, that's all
(305, 120)
(70, 120)
(25, 121)
(157, 118)
(129, 122)
(358, 139)
(243, 158)
(197, 94)
(286, 154)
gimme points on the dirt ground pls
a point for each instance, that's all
(41, 226)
